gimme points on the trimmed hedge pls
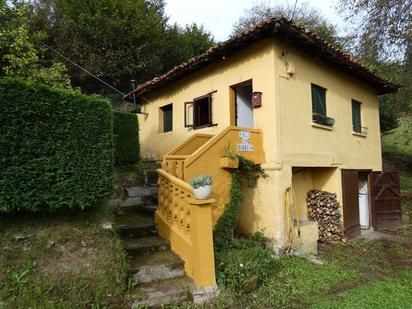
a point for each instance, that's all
(56, 148)
(126, 138)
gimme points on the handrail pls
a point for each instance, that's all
(186, 143)
(190, 159)
(175, 180)
(187, 223)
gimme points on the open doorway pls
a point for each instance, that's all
(243, 106)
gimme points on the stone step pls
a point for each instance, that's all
(135, 225)
(163, 292)
(141, 191)
(144, 210)
(137, 201)
(157, 266)
(146, 245)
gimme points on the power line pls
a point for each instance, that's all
(83, 69)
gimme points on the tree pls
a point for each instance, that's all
(117, 40)
(386, 23)
(383, 40)
(303, 15)
(20, 54)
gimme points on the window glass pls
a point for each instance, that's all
(202, 112)
(318, 100)
(167, 118)
(356, 116)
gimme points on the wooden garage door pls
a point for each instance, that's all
(350, 192)
(386, 199)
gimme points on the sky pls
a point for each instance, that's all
(218, 16)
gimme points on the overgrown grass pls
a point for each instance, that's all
(66, 261)
(399, 141)
(355, 275)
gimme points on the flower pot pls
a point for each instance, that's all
(229, 162)
(203, 193)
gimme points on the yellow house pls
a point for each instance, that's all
(277, 94)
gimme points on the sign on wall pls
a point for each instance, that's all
(245, 145)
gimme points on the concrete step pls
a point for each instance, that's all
(157, 266)
(141, 191)
(146, 245)
(163, 292)
(135, 225)
(137, 201)
(144, 210)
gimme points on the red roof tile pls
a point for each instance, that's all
(284, 30)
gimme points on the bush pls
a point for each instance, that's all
(126, 138)
(56, 148)
(244, 260)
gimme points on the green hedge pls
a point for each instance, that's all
(56, 148)
(126, 138)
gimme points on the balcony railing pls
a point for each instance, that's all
(322, 119)
(360, 130)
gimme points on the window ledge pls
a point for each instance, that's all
(359, 134)
(322, 126)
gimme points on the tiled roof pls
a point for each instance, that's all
(284, 30)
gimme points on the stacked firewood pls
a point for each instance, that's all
(324, 209)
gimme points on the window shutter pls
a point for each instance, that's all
(210, 99)
(318, 100)
(356, 116)
(189, 114)
(168, 118)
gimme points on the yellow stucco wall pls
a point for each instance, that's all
(255, 62)
(289, 137)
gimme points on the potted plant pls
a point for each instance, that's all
(229, 159)
(202, 187)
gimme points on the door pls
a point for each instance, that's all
(385, 199)
(350, 193)
(244, 109)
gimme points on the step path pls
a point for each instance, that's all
(158, 272)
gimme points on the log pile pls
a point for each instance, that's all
(325, 209)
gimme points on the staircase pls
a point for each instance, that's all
(158, 272)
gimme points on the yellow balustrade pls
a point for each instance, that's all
(188, 223)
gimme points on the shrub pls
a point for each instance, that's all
(243, 261)
(56, 148)
(126, 138)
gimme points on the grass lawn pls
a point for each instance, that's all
(61, 261)
(374, 275)
(377, 274)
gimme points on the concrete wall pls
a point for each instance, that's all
(255, 62)
(306, 144)
(289, 136)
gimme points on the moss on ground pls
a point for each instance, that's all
(66, 261)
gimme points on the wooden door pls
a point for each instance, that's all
(350, 192)
(385, 199)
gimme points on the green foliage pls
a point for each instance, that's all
(69, 261)
(242, 262)
(88, 32)
(303, 15)
(223, 233)
(20, 54)
(200, 181)
(56, 148)
(126, 138)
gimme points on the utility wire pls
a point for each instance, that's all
(83, 69)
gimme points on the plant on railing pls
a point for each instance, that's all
(223, 233)
(229, 158)
(202, 186)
